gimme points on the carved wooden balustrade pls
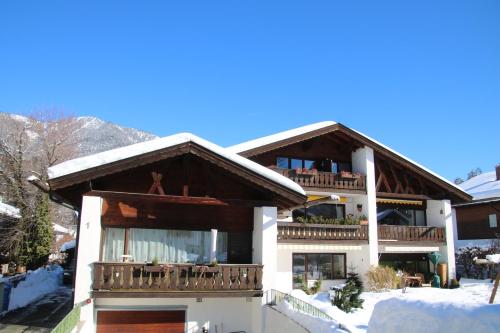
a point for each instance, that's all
(316, 232)
(326, 180)
(176, 280)
(409, 233)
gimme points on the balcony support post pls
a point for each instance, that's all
(89, 231)
(363, 161)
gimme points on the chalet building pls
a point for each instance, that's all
(178, 234)
(206, 216)
(478, 221)
(407, 207)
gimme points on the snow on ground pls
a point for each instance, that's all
(313, 324)
(37, 284)
(471, 294)
(412, 316)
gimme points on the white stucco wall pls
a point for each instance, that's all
(277, 322)
(356, 256)
(227, 314)
(88, 252)
(363, 161)
(265, 234)
(440, 214)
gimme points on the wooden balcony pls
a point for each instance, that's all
(176, 280)
(411, 234)
(325, 180)
(300, 232)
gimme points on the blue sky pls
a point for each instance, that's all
(420, 76)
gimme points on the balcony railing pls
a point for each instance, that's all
(408, 233)
(176, 280)
(326, 180)
(317, 232)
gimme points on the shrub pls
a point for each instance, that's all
(382, 278)
(349, 220)
(314, 289)
(347, 298)
(465, 261)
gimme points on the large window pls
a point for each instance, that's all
(333, 211)
(401, 215)
(172, 246)
(317, 266)
(325, 165)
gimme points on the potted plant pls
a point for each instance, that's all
(21, 264)
(363, 220)
(153, 266)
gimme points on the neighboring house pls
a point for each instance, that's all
(8, 214)
(408, 207)
(62, 235)
(478, 221)
(186, 203)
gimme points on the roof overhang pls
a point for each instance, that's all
(87, 168)
(272, 142)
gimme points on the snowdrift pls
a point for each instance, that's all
(412, 316)
(37, 283)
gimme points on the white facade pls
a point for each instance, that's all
(225, 313)
(361, 256)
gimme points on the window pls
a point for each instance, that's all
(316, 266)
(114, 244)
(332, 211)
(401, 215)
(173, 246)
(493, 220)
(282, 162)
(337, 167)
(325, 165)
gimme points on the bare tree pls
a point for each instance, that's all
(31, 145)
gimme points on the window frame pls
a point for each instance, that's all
(314, 160)
(422, 208)
(492, 218)
(306, 263)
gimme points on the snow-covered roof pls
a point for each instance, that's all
(60, 229)
(482, 186)
(252, 144)
(410, 160)
(114, 155)
(10, 211)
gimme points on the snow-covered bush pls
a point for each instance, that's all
(465, 261)
(382, 278)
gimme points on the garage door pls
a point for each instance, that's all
(140, 321)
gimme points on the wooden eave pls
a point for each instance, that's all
(460, 195)
(285, 196)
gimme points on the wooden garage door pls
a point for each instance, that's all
(140, 321)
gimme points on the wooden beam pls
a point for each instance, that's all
(156, 186)
(384, 178)
(175, 199)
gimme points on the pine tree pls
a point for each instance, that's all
(40, 235)
(347, 298)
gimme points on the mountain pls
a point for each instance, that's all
(93, 135)
(96, 135)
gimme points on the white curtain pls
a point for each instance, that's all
(114, 244)
(175, 246)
